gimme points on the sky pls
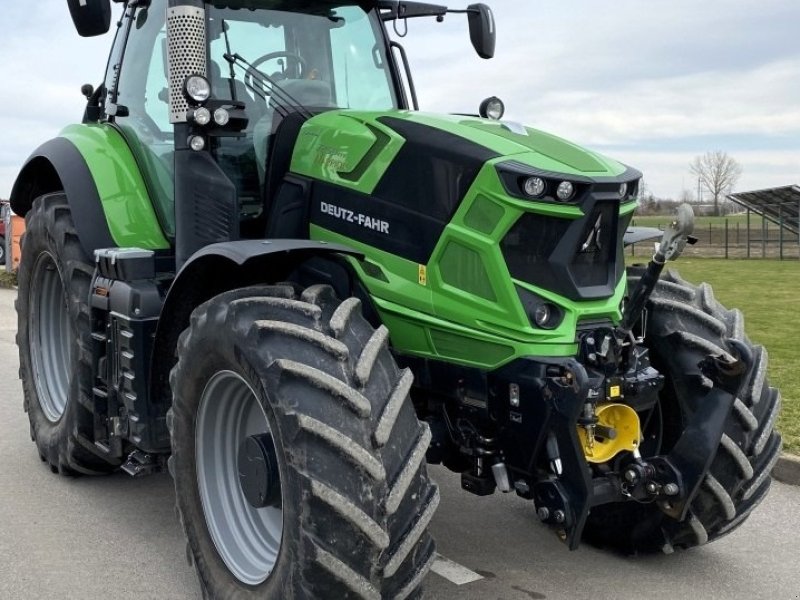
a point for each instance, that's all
(650, 83)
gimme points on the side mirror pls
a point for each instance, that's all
(91, 17)
(482, 30)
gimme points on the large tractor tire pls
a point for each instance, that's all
(298, 458)
(54, 339)
(685, 325)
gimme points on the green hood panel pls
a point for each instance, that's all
(354, 148)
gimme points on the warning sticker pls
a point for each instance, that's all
(423, 275)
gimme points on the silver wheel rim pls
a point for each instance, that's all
(50, 338)
(247, 539)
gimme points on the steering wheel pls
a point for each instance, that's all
(253, 80)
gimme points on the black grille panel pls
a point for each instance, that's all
(530, 244)
(595, 249)
(580, 259)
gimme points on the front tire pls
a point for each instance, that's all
(309, 382)
(54, 339)
(685, 325)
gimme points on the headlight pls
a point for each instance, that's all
(534, 186)
(547, 316)
(623, 190)
(197, 89)
(565, 191)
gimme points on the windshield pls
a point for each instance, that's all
(332, 56)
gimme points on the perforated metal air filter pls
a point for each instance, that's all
(186, 51)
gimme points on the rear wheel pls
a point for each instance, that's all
(685, 325)
(54, 340)
(297, 455)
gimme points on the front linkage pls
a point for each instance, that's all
(566, 433)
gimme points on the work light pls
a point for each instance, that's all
(492, 108)
(202, 116)
(197, 89)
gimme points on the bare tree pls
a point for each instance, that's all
(718, 173)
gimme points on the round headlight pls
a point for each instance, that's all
(197, 143)
(565, 191)
(542, 314)
(623, 190)
(492, 108)
(221, 117)
(202, 116)
(197, 88)
(534, 186)
(547, 316)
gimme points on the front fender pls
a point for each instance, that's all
(57, 165)
(216, 269)
(94, 167)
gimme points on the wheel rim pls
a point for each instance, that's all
(247, 539)
(50, 338)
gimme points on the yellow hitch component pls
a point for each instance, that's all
(620, 419)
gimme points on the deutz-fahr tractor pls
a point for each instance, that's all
(256, 264)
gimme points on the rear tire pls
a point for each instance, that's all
(54, 339)
(685, 325)
(355, 498)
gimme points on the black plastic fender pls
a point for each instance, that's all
(216, 269)
(634, 235)
(57, 165)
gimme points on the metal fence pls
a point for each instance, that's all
(733, 238)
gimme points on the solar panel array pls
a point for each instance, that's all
(780, 205)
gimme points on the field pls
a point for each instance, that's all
(767, 292)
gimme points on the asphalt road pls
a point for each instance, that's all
(117, 537)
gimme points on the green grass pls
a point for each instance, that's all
(768, 293)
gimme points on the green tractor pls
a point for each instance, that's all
(256, 264)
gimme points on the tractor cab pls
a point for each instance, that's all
(269, 65)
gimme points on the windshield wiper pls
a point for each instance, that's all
(232, 80)
(282, 99)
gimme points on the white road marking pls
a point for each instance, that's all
(453, 572)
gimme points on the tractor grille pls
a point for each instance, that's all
(595, 250)
(574, 258)
(531, 243)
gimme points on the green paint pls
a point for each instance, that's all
(123, 194)
(350, 149)
(537, 148)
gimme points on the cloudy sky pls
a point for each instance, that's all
(652, 83)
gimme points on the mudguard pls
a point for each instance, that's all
(634, 235)
(55, 166)
(94, 167)
(215, 269)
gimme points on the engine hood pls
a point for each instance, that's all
(526, 144)
(355, 148)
